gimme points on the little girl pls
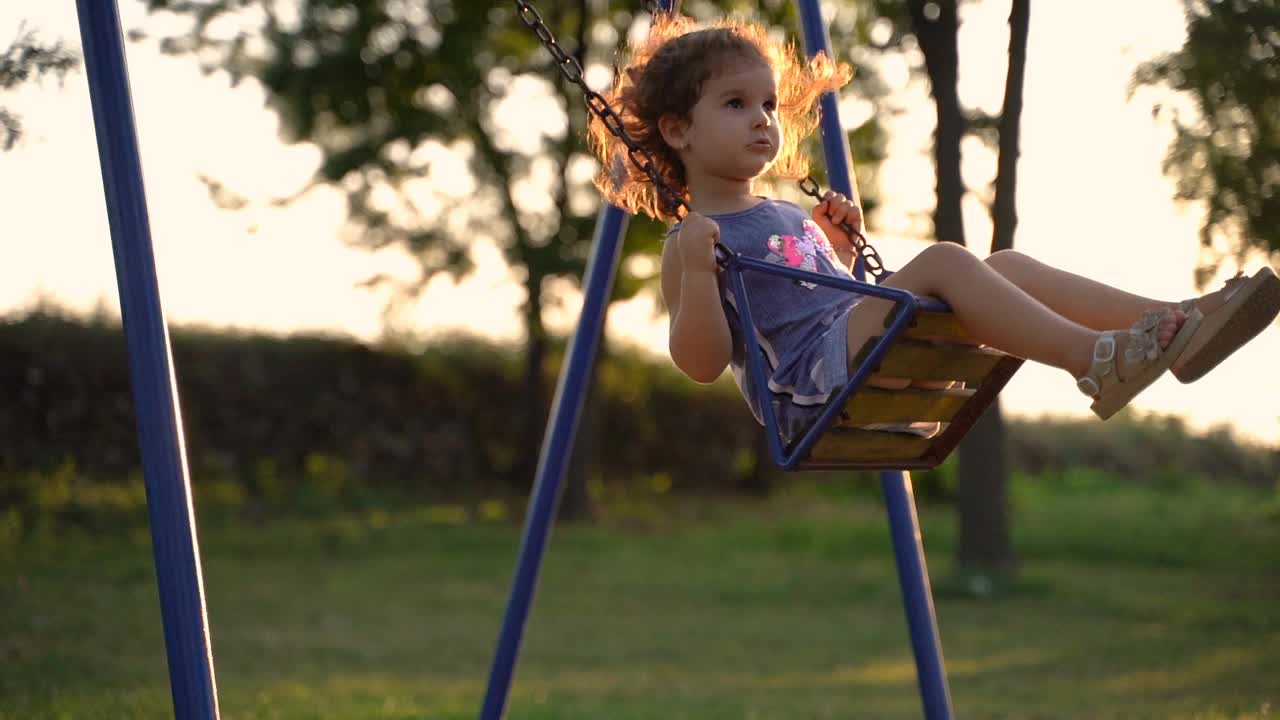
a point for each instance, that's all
(722, 106)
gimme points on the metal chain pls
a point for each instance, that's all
(572, 71)
(870, 258)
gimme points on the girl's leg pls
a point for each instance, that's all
(995, 311)
(1079, 299)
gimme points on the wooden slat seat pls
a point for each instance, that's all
(840, 443)
(919, 360)
(934, 348)
(873, 405)
(939, 325)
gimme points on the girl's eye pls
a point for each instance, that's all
(771, 106)
(734, 103)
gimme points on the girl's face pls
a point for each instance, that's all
(732, 132)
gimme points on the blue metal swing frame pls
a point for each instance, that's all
(164, 461)
(906, 305)
(571, 392)
(172, 515)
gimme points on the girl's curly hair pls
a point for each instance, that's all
(664, 75)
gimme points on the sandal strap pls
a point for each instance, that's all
(1231, 284)
(1141, 345)
(1104, 353)
(1144, 343)
(1102, 365)
(1088, 386)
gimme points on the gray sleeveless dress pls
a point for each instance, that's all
(802, 327)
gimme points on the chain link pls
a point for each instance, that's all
(571, 69)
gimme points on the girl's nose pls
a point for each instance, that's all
(762, 119)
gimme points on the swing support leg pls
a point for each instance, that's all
(164, 462)
(904, 525)
(917, 598)
(557, 445)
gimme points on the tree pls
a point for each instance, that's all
(385, 90)
(382, 87)
(26, 59)
(985, 545)
(1226, 151)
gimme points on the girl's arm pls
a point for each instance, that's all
(699, 341)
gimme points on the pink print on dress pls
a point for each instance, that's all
(801, 252)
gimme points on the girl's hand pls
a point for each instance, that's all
(830, 213)
(697, 238)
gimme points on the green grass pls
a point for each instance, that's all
(1131, 602)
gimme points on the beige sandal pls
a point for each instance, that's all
(1125, 362)
(1250, 306)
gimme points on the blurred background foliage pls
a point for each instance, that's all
(29, 59)
(280, 426)
(446, 124)
(1225, 154)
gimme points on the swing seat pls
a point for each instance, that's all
(933, 347)
(923, 341)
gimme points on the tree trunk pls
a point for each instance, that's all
(575, 502)
(533, 409)
(939, 43)
(1005, 213)
(759, 481)
(984, 545)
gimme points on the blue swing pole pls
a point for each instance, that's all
(913, 575)
(557, 444)
(164, 462)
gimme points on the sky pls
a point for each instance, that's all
(1091, 200)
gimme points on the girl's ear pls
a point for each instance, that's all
(675, 130)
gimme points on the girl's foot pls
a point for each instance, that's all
(1168, 325)
(1206, 304)
(1233, 315)
(1125, 362)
